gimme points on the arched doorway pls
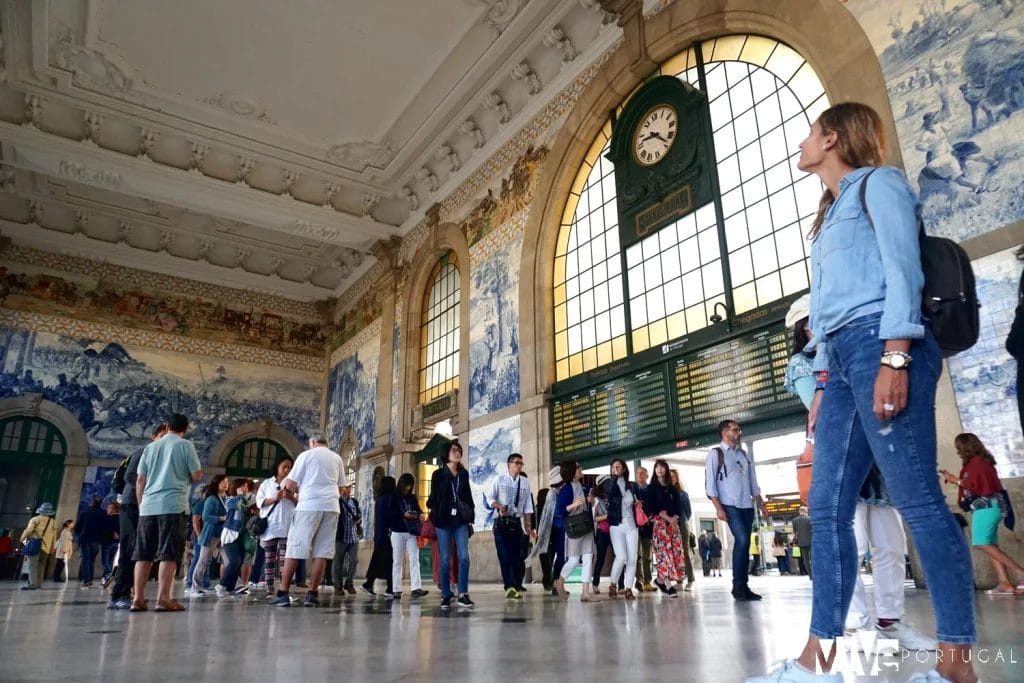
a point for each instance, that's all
(32, 453)
(254, 458)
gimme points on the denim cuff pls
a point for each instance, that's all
(899, 329)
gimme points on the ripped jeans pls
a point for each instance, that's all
(848, 438)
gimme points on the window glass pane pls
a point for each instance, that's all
(440, 329)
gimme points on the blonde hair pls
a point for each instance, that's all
(970, 446)
(860, 142)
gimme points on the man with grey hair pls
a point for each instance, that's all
(318, 477)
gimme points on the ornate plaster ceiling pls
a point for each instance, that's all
(262, 144)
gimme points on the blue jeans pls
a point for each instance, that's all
(444, 538)
(849, 439)
(510, 555)
(107, 558)
(741, 522)
(192, 565)
(85, 572)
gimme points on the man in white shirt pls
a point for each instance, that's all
(731, 483)
(511, 498)
(317, 477)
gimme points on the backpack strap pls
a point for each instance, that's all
(864, 205)
(721, 464)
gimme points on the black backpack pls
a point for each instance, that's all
(118, 481)
(949, 302)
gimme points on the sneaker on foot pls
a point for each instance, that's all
(510, 594)
(221, 591)
(751, 595)
(244, 590)
(281, 601)
(391, 595)
(672, 592)
(350, 589)
(367, 589)
(311, 600)
(418, 593)
(465, 602)
(446, 601)
(791, 672)
(908, 637)
(120, 603)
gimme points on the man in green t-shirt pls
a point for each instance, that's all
(166, 469)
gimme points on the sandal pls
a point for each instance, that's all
(612, 591)
(629, 594)
(1001, 590)
(172, 606)
(138, 607)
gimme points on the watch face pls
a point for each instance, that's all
(655, 134)
(896, 362)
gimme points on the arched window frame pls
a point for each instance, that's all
(254, 457)
(595, 333)
(440, 330)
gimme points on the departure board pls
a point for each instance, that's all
(740, 379)
(624, 412)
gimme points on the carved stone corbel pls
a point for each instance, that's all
(93, 122)
(147, 141)
(34, 106)
(245, 166)
(631, 19)
(410, 196)
(523, 72)
(497, 103)
(199, 151)
(473, 132)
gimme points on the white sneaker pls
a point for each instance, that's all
(908, 638)
(791, 672)
(221, 591)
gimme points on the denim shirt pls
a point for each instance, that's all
(857, 270)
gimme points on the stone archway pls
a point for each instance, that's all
(265, 428)
(77, 457)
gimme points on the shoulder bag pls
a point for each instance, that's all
(580, 523)
(257, 526)
(34, 545)
(511, 524)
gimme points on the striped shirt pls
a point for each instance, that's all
(504, 491)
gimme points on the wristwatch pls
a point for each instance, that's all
(897, 360)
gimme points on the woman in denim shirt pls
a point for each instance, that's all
(214, 514)
(879, 404)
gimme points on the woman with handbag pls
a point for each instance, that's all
(64, 550)
(381, 564)
(214, 514)
(573, 503)
(38, 539)
(981, 494)
(663, 501)
(405, 524)
(452, 512)
(277, 506)
(625, 515)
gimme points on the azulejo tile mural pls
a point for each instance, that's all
(955, 75)
(120, 392)
(984, 377)
(352, 392)
(32, 289)
(488, 449)
(494, 322)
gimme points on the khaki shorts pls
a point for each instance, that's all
(312, 535)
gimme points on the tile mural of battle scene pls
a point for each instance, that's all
(955, 75)
(119, 393)
(37, 290)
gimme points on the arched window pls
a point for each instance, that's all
(32, 453)
(439, 331)
(31, 437)
(763, 96)
(254, 458)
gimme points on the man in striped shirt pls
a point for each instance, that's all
(511, 498)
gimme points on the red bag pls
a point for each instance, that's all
(803, 471)
(427, 530)
(641, 516)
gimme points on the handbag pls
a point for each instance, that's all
(34, 545)
(428, 531)
(580, 524)
(413, 526)
(641, 516)
(467, 513)
(510, 524)
(257, 526)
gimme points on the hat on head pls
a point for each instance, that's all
(46, 509)
(602, 479)
(800, 309)
(555, 476)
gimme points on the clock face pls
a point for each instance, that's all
(654, 136)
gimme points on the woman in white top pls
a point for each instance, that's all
(277, 505)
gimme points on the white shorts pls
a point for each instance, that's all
(312, 535)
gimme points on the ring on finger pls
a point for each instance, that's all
(888, 407)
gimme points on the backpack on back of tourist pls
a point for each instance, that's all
(118, 481)
(949, 301)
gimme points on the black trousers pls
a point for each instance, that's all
(129, 522)
(380, 563)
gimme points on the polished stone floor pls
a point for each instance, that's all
(63, 633)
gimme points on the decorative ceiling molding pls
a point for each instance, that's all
(356, 156)
(242, 105)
